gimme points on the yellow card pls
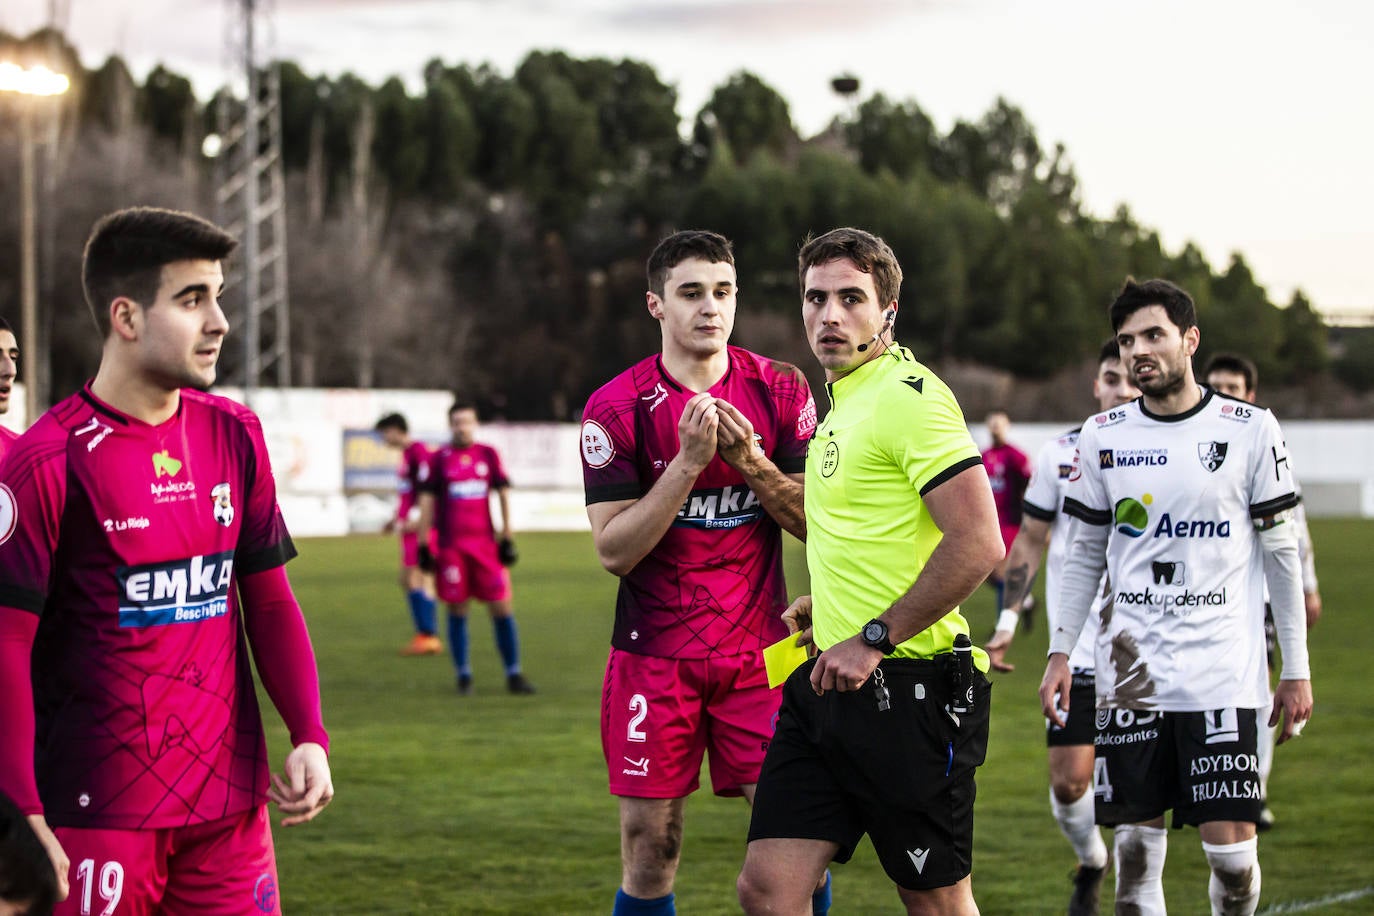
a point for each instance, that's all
(782, 658)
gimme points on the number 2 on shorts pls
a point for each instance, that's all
(640, 709)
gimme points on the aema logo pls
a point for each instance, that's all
(1132, 518)
(164, 463)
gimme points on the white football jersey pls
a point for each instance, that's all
(1043, 500)
(1185, 629)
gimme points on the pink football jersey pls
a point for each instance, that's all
(127, 540)
(461, 480)
(714, 584)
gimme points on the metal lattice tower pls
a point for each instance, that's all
(250, 199)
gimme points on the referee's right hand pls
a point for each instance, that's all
(1054, 689)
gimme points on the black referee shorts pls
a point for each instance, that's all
(839, 767)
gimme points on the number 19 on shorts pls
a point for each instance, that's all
(109, 883)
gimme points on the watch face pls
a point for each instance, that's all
(874, 632)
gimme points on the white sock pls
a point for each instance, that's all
(1077, 824)
(1140, 854)
(1235, 884)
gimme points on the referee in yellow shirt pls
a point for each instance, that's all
(881, 733)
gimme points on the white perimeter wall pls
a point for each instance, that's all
(306, 434)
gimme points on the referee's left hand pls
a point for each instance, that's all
(845, 666)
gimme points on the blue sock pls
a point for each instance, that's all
(820, 900)
(421, 611)
(625, 905)
(428, 613)
(507, 642)
(458, 643)
(1001, 594)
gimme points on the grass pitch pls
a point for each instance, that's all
(494, 804)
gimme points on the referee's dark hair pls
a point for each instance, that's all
(1177, 304)
(5, 326)
(866, 251)
(1234, 362)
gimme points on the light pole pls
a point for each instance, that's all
(35, 81)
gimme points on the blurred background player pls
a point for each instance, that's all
(28, 885)
(472, 559)
(1070, 746)
(1237, 377)
(1009, 471)
(692, 460)
(9, 371)
(414, 470)
(146, 558)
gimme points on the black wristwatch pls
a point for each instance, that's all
(875, 634)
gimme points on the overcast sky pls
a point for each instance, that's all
(1239, 124)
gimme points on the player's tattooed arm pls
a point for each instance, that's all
(1023, 560)
(1018, 583)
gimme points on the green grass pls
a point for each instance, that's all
(498, 804)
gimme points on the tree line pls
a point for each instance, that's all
(486, 232)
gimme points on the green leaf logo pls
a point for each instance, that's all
(164, 463)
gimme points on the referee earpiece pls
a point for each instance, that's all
(888, 317)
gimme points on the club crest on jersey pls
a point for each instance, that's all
(597, 447)
(177, 591)
(1211, 454)
(224, 504)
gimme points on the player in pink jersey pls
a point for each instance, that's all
(692, 459)
(455, 502)
(1009, 471)
(414, 471)
(9, 370)
(141, 557)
